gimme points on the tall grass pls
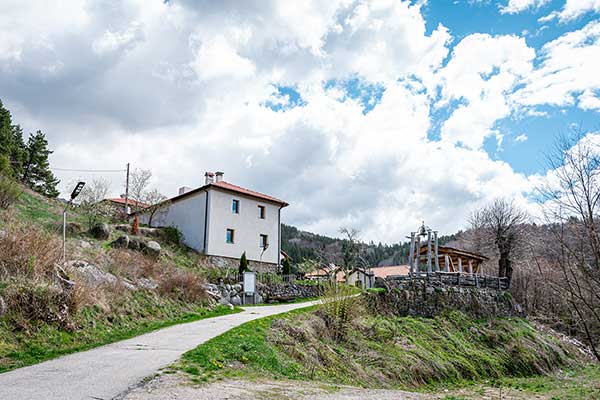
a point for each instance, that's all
(339, 307)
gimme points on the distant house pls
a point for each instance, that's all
(223, 221)
(359, 277)
(321, 274)
(392, 270)
(118, 204)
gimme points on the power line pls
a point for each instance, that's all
(88, 170)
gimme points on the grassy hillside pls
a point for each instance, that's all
(41, 317)
(382, 352)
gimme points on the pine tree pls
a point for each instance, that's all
(286, 266)
(36, 169)
(243, 264)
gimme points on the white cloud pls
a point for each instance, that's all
(573, 9)
(569, 66)
(181, 88)
(518, 6)
(521, 138)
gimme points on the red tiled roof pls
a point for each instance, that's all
(384, 272)
(120, 200)
(231, 188)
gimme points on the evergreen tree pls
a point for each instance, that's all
(286, 266)
(243, 264)
(36, 169)
(18, 151)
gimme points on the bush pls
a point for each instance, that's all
(9, 192)
(183, 285)
(172, 235)
(340, 306)
(27, 251)
(243, 264)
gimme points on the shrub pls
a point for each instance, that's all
(9, 192)
(183, 285)
(27, 251)
(286, 266)
(243, 264)
(340, 306)
(172, 235)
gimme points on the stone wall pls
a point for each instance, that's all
(234, 263)
(266, 292)
(428, 299)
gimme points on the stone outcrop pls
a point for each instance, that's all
(153, 249)
(228, 294)
(150, 248)
(100, 231)
(428, 299)
(91, 274)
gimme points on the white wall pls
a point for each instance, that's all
(187, 215)
(247, 226)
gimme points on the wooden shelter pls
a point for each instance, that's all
(451, 259)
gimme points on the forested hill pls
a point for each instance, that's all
(302, 245)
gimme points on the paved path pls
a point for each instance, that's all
(105, 372)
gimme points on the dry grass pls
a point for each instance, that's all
(339, 308)
(182, 285)
(27, 251)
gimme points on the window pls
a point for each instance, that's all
(261, 212)
(264, 241)
(235, 206)
(230, 236)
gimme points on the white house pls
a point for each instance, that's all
(223, 221)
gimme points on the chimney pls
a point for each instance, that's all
(184, 189)
(219, 176)
(208, 178)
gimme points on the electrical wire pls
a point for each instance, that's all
(88, 170)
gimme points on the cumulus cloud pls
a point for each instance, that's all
(521, 138)
(518, 6)
(572, 10)
(262, 90)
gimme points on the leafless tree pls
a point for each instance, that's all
(91, 201)
(351, 250)
(503, 223)
(157, 204)
(139, 180)
(570, 196)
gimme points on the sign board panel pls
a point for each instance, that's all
(249, 282)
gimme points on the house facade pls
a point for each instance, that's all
(223, 221)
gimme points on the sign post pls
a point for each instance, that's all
(74, 194)
(249, 285)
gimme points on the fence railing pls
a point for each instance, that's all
(269, 278)
(456, 279)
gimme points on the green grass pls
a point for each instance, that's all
(39, 342)
(380, 351)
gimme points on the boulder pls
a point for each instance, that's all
(85, 244)
(127, 284)
(236, 300)
(237, 287)
(136, 243)
(100, 231)
(2, 234)
(91, 274)
(122, 242)
(225, 302)
(152, 248)
(146, 283)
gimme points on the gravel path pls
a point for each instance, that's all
(107, 371)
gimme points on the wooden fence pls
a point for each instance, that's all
(456, 279)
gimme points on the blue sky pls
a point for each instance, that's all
(370, 114)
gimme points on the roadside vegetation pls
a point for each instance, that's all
(377, 351)
(48, 309)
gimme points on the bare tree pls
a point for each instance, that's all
(503, 223)
(570, 197)
(139, 180)
(91, 201)
(157, 204)
(351, 249)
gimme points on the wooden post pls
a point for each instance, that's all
(418, 253)
(437, 256)
(428, 252)
(460, 265)
(470, 266)
(446, 263)
(411, 253)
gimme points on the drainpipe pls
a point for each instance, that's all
(206, 223)
(279, 239)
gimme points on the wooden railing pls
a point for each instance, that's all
(456, 279)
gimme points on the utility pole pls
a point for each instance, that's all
(127, 192)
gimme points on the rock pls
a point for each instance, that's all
(91, 274)
(237, 287)
(100, 231)
(122, 242)
(136, 244)
(2, 234)
(225, 302)
(236, 300)
(123, 228)
(2, 306)
(152, 249)
(258, 298)
(127, 284)
(228, 286)
(85, 244)
(146, 283)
